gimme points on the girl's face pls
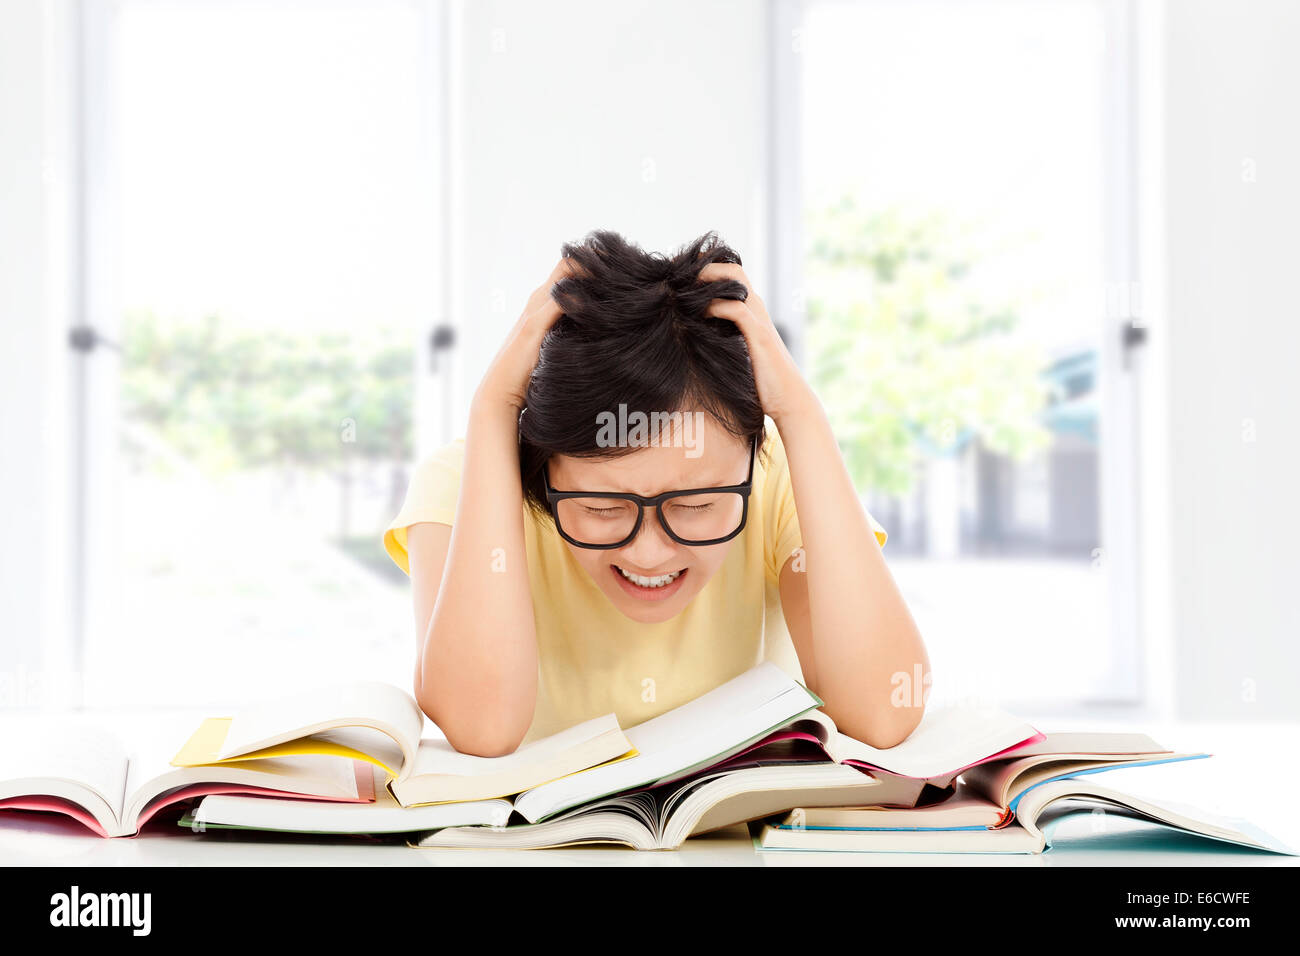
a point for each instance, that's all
(706, 457)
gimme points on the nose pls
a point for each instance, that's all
(651, 549)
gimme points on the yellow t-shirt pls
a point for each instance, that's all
(593, 660)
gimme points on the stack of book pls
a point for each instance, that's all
(997, 806)
(354, 759)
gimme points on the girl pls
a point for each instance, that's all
(620, 530)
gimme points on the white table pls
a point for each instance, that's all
(1251, 775)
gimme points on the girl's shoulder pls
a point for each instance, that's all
(448, 456)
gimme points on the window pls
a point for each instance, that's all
(262, 189)
(958, 176)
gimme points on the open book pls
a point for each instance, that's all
(997, 805)
(382, 815)
(764, 780)
(765, 700)
(947, 741)
(752, 747)
(65, 764)
(702, 732)
(383, 725)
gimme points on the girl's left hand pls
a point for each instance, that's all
(781, 386)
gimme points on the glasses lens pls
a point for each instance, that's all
(596, 520)
(704, 517)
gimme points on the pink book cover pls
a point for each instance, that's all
(1038, 737)
(49, 804)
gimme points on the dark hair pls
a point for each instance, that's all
(634, 331)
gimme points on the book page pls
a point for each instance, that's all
(722, 709)
(965, 809)
(437, 757)
(1005, 781)
(948, 739)
(67, 747)
(355, 704)
(688, 738)
(1182, 816)
(382, 815)
(150, 771)
(1074, 742)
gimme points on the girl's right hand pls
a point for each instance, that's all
(506, 379)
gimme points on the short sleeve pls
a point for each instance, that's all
(781, 522)
(430, 496)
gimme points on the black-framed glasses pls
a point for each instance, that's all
(604, 520)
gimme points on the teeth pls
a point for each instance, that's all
(656, 582)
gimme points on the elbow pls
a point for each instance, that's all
(898, 726)
(881, 729)
(478, 735)
(486, 745)
(883, 735)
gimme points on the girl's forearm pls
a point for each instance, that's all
(863, 634)
(479, 663)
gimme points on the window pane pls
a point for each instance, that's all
(267, 168)
(953, 160)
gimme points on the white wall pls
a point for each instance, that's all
(1232, 326)
(571, 115)
(34, 358)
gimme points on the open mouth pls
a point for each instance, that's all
(650, 588)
